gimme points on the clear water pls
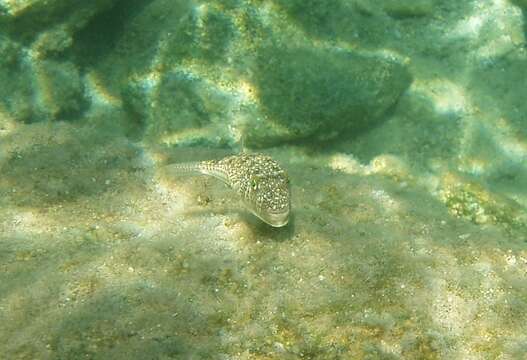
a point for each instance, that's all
(401, 125)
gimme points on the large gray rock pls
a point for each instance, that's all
(38, 90)
(315, 93)
(521, 3)
(27, 19)
(301, 93)
(15, 91)
(181, 109)
(38, 81)
(398, 8)
(212, 78)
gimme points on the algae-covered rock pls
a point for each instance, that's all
(411, 8)
(43, 90)
(398, 8)
(521, 3)
(26, 19)
(215, 77)
(321, 18)
(176, 103)
(320, 93)
(58, 89)
(15, 91)
(472, 201)
(297, 93)
(163, 33)
(9, 52)
(36, 87)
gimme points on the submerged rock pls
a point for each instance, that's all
(27, 19)
(320, 93)
(9, 52)
(398, 8)
(176, 103)
(521, 3)
(41, 90)
(40, 82)
(59, 88)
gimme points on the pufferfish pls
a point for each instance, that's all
(261, 183)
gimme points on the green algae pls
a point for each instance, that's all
(471, 201)
(308, 91)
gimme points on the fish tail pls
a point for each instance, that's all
(197, 168)
(186, 168)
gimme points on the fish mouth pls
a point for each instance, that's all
(275, 219)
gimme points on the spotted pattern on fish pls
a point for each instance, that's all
(260, 181)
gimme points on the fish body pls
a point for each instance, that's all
(261, 183)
